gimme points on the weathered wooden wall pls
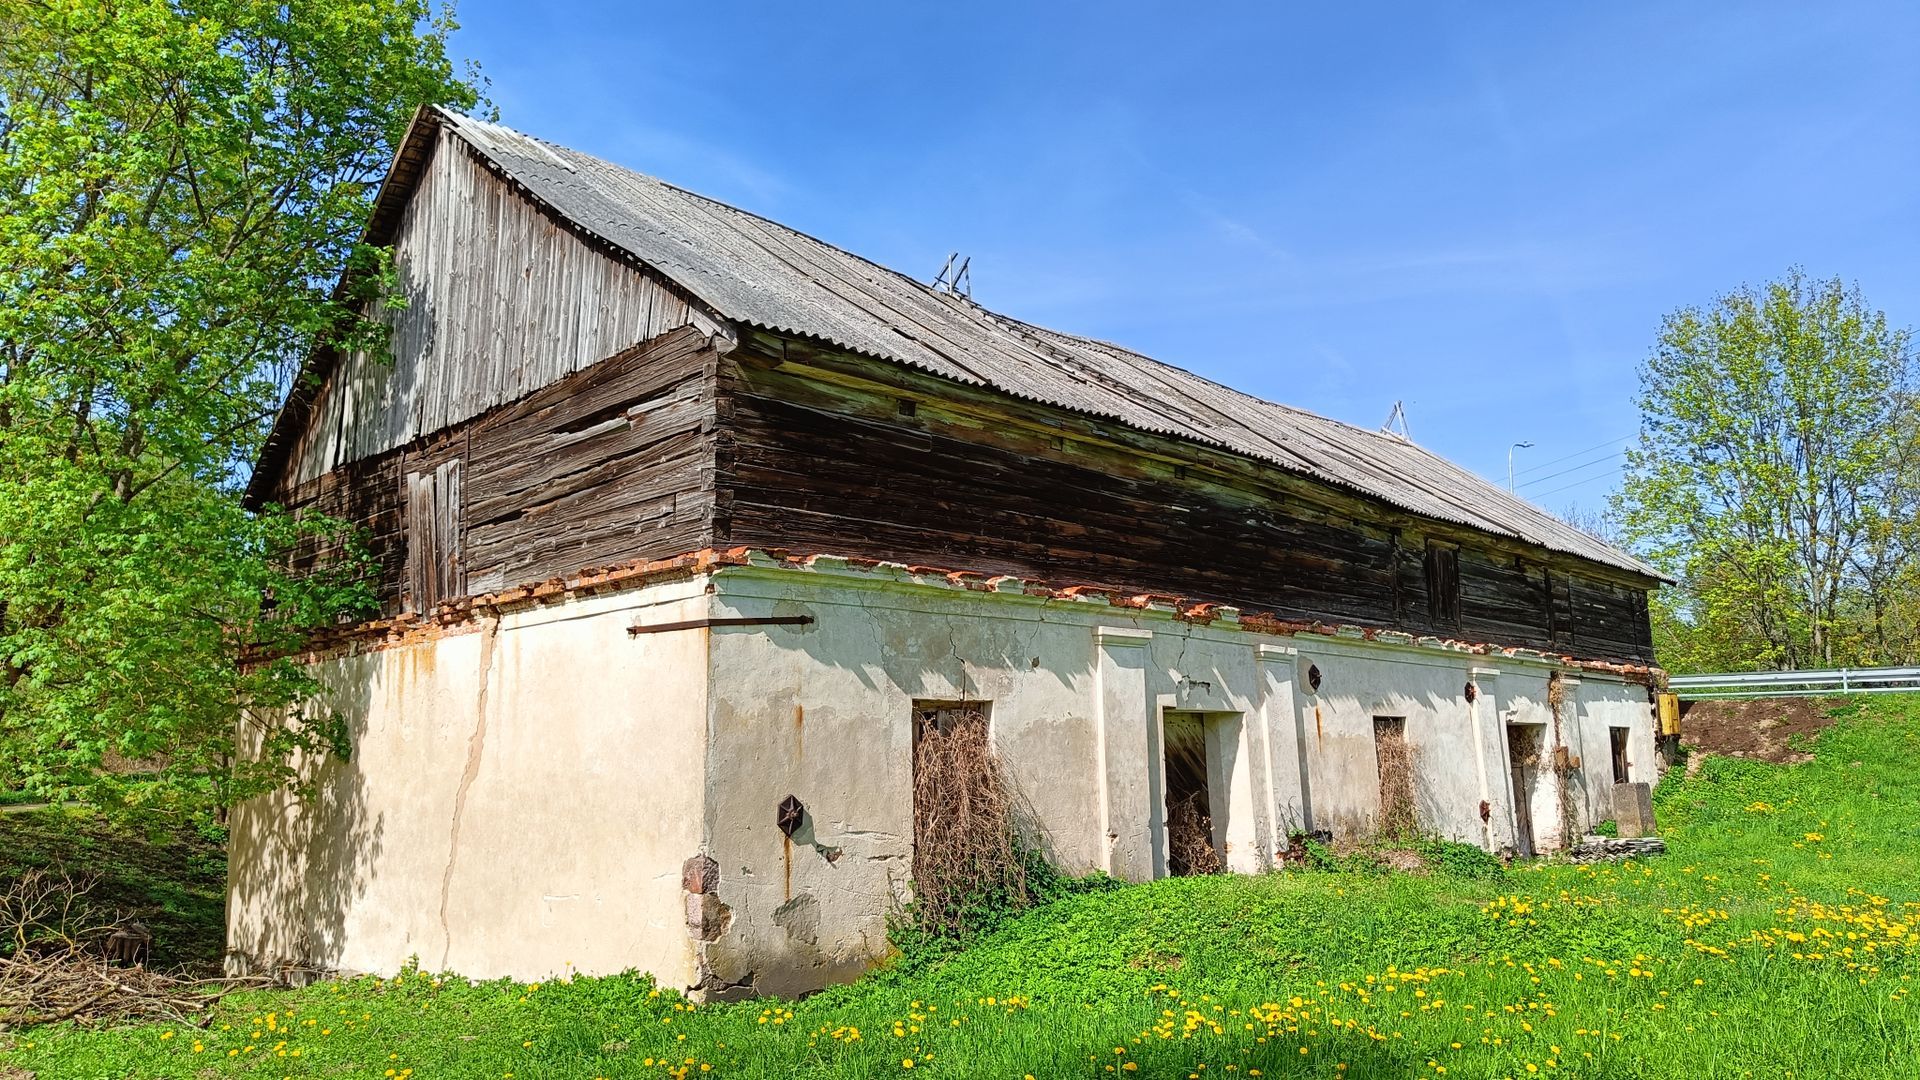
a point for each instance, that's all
(522, 432)
(671, 447)
(502, 299)
(832, 453)
(607, 464)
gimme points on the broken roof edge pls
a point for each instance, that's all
(465, 614)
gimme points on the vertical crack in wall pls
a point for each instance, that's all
(953, 647)
(871, 624)
(476, 745)
(1179, 666)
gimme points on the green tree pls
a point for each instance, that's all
(1774, 478)
(1883, 616)
(181, 184)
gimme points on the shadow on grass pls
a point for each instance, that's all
(172, 879)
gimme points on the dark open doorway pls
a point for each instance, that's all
(1526, 748)
(1621, 767)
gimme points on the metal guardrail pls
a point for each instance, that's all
(1892, 680)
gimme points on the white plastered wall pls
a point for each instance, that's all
(1606, 704)
(519, 801)
(523, 796)
(822, 711)
(1453, 750)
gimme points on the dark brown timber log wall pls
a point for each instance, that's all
(833, 453)
(669, 448)
(611, 463)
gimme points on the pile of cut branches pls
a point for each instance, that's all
(80, 985)
(60, 960)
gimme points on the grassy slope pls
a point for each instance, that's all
(173, 881)
(1729, 958)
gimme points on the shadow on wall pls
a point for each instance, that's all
(1352, 791)
(831, 723)
(368, 407)
(995, 643)
(921, 663)
(297, 865)
(1439, 800)
(1444, 777)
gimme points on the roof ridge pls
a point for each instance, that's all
(721, 203)
(1016, 323)
(757, 271)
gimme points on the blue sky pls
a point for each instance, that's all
(1482, 210)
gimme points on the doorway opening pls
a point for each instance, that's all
(965, 842)
(1206, 824)
(1393, 758)
(1536, 815)
(1191, 847)
(946, 716)
(1621, 766)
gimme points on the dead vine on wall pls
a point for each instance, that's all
(1395, 761)
(1190, 849)
(967, 849)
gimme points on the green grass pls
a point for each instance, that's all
(173, 880)
(1776, 940)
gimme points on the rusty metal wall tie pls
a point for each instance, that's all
(696, 624)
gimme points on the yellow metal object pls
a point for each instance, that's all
(1669, 714)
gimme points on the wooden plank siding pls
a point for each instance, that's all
(672, 447)
(436, 560)
(828, 452)
(502, 299)
(611, 463)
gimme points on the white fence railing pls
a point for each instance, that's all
(1753, 684)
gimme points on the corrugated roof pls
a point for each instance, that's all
(763, 274)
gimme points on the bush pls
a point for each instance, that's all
(1459, 860)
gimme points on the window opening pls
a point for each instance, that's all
(436, 564)
(1443, 583)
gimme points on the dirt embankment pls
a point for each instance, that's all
(1764, 729)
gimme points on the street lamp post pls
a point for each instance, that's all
(1510, 450)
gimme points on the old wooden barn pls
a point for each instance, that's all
(682, 516)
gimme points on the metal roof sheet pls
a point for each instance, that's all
(763, 274)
